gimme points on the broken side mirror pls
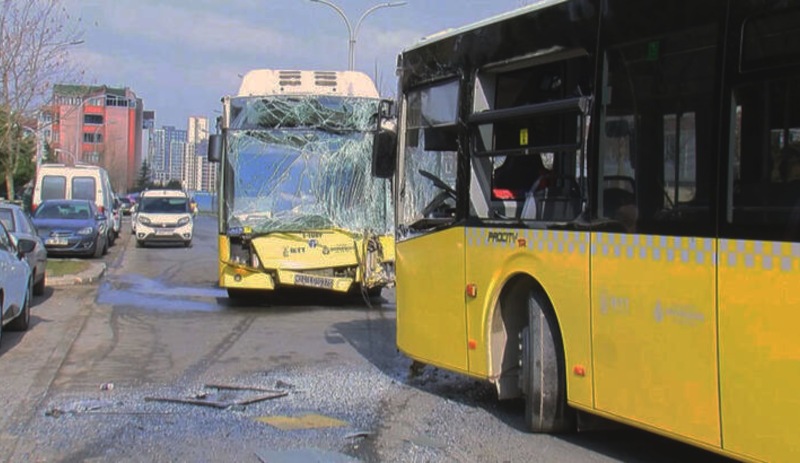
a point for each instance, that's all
(214, 148)
(384, 145)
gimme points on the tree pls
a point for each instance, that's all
(174, 184)
(24, 167)
(143, 180)
(36, 36)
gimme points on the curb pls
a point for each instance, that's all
(90, 275)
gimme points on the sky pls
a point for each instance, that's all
(181, 56)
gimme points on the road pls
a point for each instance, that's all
(95, 377)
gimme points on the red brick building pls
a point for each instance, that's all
(97, 125)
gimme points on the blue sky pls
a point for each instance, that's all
(182, 56)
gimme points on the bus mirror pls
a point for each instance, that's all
(383, 153)
(214, 148)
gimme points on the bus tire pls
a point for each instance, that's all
(543, 377)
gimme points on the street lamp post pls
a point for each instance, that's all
(71, 154)
(353, 31)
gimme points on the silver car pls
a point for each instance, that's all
(16, 284)
(19, 224)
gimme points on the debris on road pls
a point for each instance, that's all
(78, 407)
(223, 397)
(107, 387)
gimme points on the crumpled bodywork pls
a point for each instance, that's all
(297, 168)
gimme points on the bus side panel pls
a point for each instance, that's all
(559, 261)
(431, 321)
(760, 348)
(654, 332)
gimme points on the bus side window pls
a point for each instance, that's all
(657, 158)
(764, 165)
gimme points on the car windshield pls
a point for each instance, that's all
(63, 211)
(7, 218)
(163, 205)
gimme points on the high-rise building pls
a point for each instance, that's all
(167, 150)
(97, 125)
(198, 173)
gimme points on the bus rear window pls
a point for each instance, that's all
(83, 188)
(53, 187)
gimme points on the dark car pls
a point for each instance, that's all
(71, 227)
(19, 224)
(125, 205)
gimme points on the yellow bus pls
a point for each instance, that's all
(598, 209)
(297, 204)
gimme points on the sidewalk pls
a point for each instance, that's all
(90, 275)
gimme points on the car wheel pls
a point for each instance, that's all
(98, 249)
(187, 243)
(105, 248)
(38, 288)
(111, 238)
(23, 320)
(139, 244)
(543, 373)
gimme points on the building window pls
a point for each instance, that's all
(92, 119)
(93, 137)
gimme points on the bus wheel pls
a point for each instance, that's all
(543, 374)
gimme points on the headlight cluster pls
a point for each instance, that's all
(183, 221)
(144, 221)
(86, 231)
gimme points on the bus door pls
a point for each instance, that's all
(431, 321)
(653, 266)
(760, 246)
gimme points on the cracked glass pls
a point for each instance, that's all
(299, 163)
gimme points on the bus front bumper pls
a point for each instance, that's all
(241, 278)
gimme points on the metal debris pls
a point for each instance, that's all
(222, 401)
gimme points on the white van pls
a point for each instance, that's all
(58, 181)
(163, 216)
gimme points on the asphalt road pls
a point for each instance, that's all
(122, 370)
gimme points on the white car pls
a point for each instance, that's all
(163, 216)
(19, 224)
(16, 282)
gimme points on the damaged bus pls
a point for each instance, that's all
(297, 204)
(598, 211)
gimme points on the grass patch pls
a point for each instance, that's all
(59, 268)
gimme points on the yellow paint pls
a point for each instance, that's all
(310, 421)
(431, 326)
(760, 349)
(654, 332)
(302, 258)
(559, 261)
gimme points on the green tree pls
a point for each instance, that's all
(16, 154)
(174, 185)
(143, 181)
(36, 36)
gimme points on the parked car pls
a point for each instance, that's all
(125, 205)
(163, 216)
(72, 227)
(19, 224)
(58, 181)
(16, 284)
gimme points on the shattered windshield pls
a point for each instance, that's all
(303, 163)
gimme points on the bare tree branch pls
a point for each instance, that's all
(35, 38)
